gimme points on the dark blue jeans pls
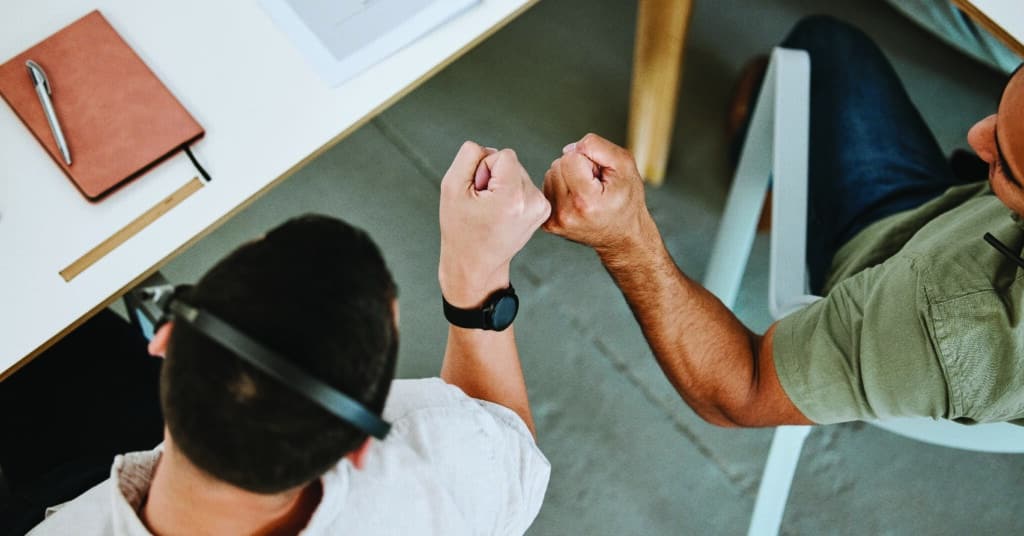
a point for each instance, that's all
(871, 154)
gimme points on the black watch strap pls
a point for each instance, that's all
(464, 318)
(481, 317)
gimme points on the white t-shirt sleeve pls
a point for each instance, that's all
(480, 452)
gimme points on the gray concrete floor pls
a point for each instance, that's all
(628, 456)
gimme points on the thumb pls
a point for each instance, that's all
(579, 173)
(464, 166)
(483, 171)
(482, 176)
(505, 168)
(599, 150)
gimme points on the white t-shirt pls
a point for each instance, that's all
(451, 465)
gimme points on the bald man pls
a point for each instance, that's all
(921, 315)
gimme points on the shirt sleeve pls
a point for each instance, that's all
(481, 453)
(865, 351)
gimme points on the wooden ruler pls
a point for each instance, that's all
(130, 230)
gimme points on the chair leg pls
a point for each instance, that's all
(657, 66)
(738, 225)
(777, 479)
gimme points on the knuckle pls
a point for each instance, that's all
(536, 198)
(589, 141)
(545, 209)
(583, 208)
(556, 214)
(627, 155)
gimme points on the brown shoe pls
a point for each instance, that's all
(738, 116)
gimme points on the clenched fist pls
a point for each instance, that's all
(489, 210)
(597, 197)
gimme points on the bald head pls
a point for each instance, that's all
(1010, 127)
(999, 140)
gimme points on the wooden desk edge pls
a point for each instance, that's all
(992, 26)
(272, 184)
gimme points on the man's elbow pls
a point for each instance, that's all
(727, 410)
(749, 408)
(718, 419)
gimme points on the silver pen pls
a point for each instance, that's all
(44, 91)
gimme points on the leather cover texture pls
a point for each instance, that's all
(117, 117)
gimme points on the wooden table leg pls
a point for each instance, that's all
(657, 66)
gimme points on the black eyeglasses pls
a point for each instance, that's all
(1003, 163)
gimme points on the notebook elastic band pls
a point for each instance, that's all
(188, 151)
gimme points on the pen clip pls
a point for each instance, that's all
(38, 75)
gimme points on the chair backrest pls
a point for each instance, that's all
(788, 86)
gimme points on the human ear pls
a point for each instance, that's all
(395, 313)
(982, 138)
(158, 344)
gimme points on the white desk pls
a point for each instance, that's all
(265, 111)
(1003, 18)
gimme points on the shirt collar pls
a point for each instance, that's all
(1017, 219)
(133, 475)
(335, 483)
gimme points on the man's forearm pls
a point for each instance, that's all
(485, 364)
(725, 372)
(489, 208)
(706, 352)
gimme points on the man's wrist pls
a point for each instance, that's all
(634, 247)
(466, 289)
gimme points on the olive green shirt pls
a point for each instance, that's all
(922, 317)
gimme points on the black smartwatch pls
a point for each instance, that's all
(496, 314)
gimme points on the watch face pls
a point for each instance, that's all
(504, 312)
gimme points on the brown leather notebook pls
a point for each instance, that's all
(117, 117)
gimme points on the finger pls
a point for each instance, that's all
(463, 168)
(601, 151)
(555, 188)
(550, 223)
(506, 169)
(537, 205)
(548, 186)
(578, 172)
(482, 176)
(541, 205)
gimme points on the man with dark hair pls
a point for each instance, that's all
(243, 453)
(314, 288)
(921, 315)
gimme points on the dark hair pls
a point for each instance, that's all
(317, 291)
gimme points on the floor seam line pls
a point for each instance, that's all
(407, 150)
(735, 479)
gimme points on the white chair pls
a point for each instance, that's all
(776, 150)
